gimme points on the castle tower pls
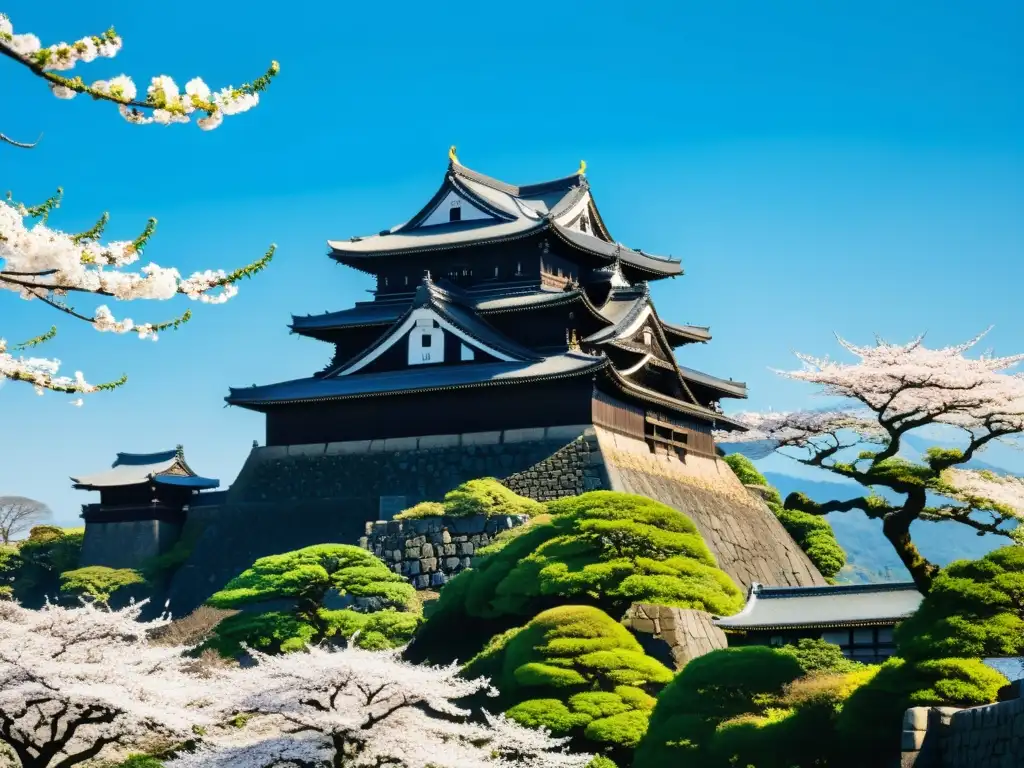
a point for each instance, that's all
(499, 307)
(510, 335)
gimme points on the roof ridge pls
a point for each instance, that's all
(786, 592)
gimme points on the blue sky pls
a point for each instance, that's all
(817, 166)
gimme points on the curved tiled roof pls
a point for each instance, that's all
(516, 211)
(822, 607)
(418, 379)
(137, 468)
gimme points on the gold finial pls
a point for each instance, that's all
(574, 343)
(452, 157)
(583, 168)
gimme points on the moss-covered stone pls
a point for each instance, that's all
(604, 549)
(578, 672)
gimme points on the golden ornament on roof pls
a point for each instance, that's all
(451, 154)
(583, 167)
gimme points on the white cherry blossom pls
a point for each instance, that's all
(164, 103)
(371, 706)
(76, 683)
(890, 391)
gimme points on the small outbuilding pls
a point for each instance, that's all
(859, 618)
(144, 499)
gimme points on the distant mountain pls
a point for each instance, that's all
(869, 554)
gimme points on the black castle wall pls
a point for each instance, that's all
(290, 497)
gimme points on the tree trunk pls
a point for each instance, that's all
(896, 527)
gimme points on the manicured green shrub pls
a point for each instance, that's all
(602, 548)
(296, 588)
(484, 496)
(487, 496)
(99, 583)
(975, 609)
(578, 672)
(710, 690)
(869, 724)
(812, 533)
(33, 572)
(818, 657)
(423, 509)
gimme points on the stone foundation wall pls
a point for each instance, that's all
(430, 551)
(981, 737)
(127, 544)
(540, 463)
(288, 497)
(674, 636)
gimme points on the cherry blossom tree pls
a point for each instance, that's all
(892, 390)
(77, 682)
(365, 709)
(49, 265)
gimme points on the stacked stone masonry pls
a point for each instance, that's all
(430, 551)
(674, 636)
(981, 737)
(540, 463)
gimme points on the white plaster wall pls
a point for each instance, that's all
(426, 354)
(440, 214)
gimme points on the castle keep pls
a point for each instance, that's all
(510, 335)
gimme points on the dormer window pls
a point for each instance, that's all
(647, 337)
(455, 212)
(426, 341)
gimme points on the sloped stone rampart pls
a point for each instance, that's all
(674, 636)
(748, 541)
(430, 551)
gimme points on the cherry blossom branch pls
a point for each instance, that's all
(163, 103)
(5, 139)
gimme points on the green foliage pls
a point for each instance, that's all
(486, 496)
(602, 548)
(600, 761)
(712, 689)
(975, 608)
(161, 568)
(937, 458)
(577, 671)
(748, 474)
(818, 656)
(139, 761)
(812, 533)
(33, 572)
(866, 723)
(307, 574)
(423, 509)
(99, 582)
(382, 607)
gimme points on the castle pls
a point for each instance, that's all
(510, 336)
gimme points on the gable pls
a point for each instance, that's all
(425, 337)
(467, 211)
